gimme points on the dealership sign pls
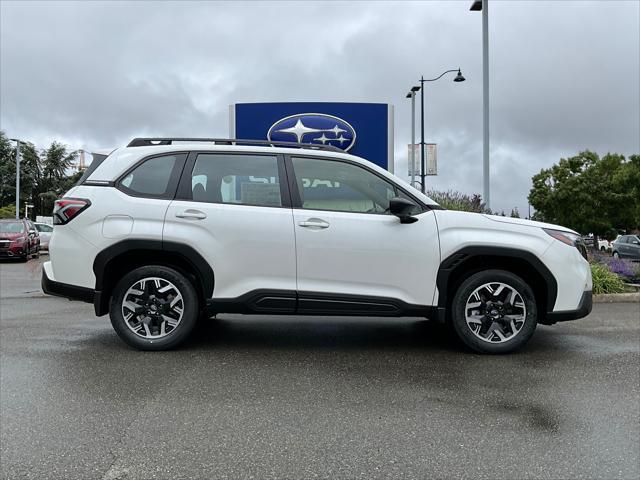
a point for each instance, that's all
(317, 128)
(363, 129)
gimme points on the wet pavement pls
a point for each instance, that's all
(307, 397)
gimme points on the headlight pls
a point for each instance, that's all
(571, 239)
(20, 240)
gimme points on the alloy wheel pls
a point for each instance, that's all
(152, 308)
(495, 312)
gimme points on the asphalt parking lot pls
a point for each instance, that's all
(266, 397)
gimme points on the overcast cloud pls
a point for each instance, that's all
(565, 76)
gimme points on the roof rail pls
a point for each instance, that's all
(149, 142)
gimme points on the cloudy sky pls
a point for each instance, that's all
(565, 76)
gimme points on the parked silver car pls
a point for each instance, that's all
(627, 246)
(45, 234)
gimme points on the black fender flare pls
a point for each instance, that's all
(198, 264)
(464, 255)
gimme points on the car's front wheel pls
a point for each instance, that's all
(494, 311)
(616, 255)
(154, 308)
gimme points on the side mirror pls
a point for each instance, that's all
(402, 208)
(32, 232)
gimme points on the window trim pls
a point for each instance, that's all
(174, 176)
(296, 198)
(185, 192)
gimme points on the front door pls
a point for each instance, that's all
(348, 245)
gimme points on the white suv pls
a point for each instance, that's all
(165, 231)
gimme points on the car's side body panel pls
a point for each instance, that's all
(262, 258)
(366, 254)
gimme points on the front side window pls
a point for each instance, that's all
(236, 179)
(44, 228)
(151, 178)
(342, 187)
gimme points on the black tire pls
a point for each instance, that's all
(189, 314)
(37, 253)
(616, 255)
(471, 339)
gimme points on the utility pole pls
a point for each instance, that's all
(483, 5)
(17, 179)
(423, 166)
(485, 103)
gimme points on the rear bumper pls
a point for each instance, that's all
(584, 309)
(72, 292)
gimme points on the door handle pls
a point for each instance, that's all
(191, 214)
(314, 223)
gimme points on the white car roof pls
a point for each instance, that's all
(123, 158)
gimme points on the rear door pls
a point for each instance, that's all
(234, 209)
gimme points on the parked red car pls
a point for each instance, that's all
(19, 239)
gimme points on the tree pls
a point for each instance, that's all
(453, 200)
(7, 171)
(29, 172)
(44, 176)
(515, 213)
(588, 194)
(55, 165)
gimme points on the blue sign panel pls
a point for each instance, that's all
(363, 129)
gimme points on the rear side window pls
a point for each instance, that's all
(236, 179)
(156, 177)
(44, 228)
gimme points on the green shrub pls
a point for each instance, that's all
(605, 281)
(8, 211)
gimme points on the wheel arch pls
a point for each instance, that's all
(469, 260)
(112, 263)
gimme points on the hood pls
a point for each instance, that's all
(528, 223)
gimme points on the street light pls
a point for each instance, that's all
(477, 6)
(17, 176)
(423, 167)
(412, 96)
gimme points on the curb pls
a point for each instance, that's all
(617, 298)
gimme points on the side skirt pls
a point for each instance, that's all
(290, 302)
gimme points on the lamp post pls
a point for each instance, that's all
(412, 96)
(17, 177)
(483, 5)
(423, 167)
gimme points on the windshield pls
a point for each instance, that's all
(11, 227)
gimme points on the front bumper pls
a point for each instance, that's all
(72, 292)
(584, 309)
(13, 252)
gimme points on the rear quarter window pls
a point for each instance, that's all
(154, 177)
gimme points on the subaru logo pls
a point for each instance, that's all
(318, 128)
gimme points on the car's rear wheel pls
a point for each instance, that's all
(154, 308)
(616, 255)
(494, 311)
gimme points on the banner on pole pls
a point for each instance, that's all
(431, 156)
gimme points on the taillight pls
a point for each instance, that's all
(66, 209)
